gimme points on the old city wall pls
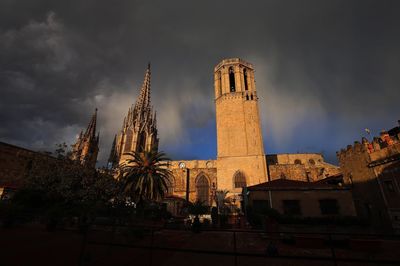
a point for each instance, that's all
(16, 163)
(288, 171)
(300, 166)
(386, 152)
(353, 162)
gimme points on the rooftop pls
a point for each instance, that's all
(329, 183)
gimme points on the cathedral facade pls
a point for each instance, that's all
(241, 160)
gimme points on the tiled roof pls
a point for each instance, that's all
(286, 184)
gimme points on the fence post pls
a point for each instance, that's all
(234, 247)
(332, 250)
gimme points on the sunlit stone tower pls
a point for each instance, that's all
(139, 129)
(240, 154)
(86, 148)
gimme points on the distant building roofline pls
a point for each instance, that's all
(287, 184)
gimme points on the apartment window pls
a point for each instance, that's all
(329, 206)
(291, 207)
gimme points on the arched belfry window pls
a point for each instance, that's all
(245, 79)
(231, 80)
(239, 179)
(203, 189)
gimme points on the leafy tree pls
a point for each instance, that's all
(61, 151)
(145, 177)
(59, 188)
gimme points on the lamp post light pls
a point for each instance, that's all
(213, 194)
(182, 165)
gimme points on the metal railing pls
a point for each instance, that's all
(235, 252)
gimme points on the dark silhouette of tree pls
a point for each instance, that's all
(145, 177)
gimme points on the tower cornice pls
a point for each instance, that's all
(233, 61)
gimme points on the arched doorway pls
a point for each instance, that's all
(203, 189)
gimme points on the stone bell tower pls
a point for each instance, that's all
(240, 154)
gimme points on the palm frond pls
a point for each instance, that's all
(145, 176)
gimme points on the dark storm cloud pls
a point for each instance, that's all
(325, 70)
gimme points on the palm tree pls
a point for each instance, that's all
(146, 176)
(220, 198)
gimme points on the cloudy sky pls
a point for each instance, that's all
(325, 70)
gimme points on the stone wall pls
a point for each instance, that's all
(195, 169)
(363, 166)
(253, 168)
(16, 163)
(300, 166)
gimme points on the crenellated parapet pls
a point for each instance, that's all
(379, 148)
(351, 150)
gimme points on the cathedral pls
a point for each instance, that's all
(241, 160)
(86, 149)
(139, 130)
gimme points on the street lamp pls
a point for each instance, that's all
(182, 165)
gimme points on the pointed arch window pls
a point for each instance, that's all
(203, 189)
(231, 80)
(245, 79)
(239, 179)
(170, 186)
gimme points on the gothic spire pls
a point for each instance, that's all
(143, 101)
(86, 148)
(91, 129)
(139, 130)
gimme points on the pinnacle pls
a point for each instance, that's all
(91, 129)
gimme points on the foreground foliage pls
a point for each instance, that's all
(56, 189)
